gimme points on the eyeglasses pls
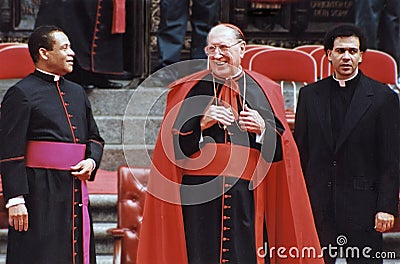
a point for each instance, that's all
(211, 50)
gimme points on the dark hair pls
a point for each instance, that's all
(41, 37)
(344, 30)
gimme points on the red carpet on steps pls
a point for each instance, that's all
(105, 183)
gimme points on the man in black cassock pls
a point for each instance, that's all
(50, 146)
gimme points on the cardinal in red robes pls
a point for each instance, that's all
(226, 184)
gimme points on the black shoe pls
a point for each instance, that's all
(107, 84)
(88, 87)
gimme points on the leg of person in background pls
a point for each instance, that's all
(389, 29)
(172, 29)
(78, 76)
(88, 24)
(205, 15)
(367, 16)
(90, 80)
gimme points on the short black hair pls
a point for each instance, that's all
(41, 37)
(344, 30)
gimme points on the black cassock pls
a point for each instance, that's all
(36, 109)
(207, 231)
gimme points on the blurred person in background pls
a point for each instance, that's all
(174, 15)
(95, 28)
(380, 20)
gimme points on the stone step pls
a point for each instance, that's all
(134, 138)
(103, 208)
(104, 259)
(104, 215)
(114, 102)
(133, 155)
(104, 241)
(3, 241)
(133, 130)
(5, 84)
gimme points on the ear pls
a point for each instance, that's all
(361, 55)
(329, 55)
(43, 54)
(242, 49)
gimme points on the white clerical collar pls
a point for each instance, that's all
(238, 73)
(56, 77)
(342, 83)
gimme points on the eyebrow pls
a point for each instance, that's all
(346, 48)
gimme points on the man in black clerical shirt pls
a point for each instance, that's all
(347, 132)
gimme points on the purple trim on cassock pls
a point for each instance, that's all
(85, 224)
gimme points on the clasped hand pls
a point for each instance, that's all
(83, 169)
(249, 119)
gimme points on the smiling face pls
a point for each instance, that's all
(226, 51)
(58, 60)
(345, 56)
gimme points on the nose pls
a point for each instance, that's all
(346, 55)
(71, 52)
(217, 55)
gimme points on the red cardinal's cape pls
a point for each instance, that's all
(281, 199)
